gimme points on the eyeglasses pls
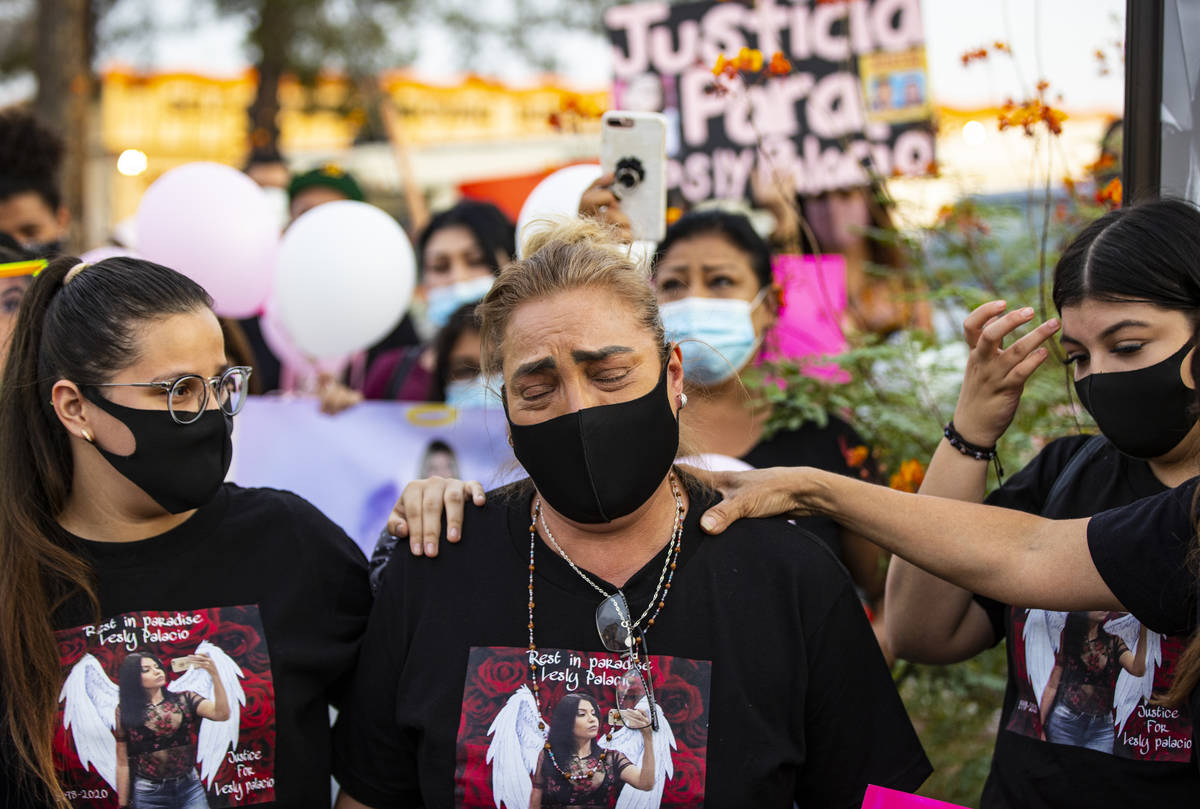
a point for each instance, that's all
(187, 396)
(616, 630)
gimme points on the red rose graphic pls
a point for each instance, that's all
(237, 640)
(686, 787)
(681, 702)
(500, 676)
(71, 647)
(474, 787)
(259, 710)
(478, 713)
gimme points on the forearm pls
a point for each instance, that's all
(928, 618)
(1011, 556)
(645, 776)
(123, 794)
(344, 801)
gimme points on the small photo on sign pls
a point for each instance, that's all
(895, 89)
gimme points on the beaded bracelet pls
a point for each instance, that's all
(975, 451)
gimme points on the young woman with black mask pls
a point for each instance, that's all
(119, 536)
(1128, 292)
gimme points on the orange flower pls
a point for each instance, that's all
(857, 456)
(910, 476)
(721, 64)
(979, 54)
(1106, 160)
(1029, 114)
(779, 65)
(1053, 119)
(750, 60)
(1111, 194)
(673, 214)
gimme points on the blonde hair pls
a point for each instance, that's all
(564, 256)
(560, 257)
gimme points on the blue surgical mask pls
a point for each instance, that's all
(482, 391)
(442, 302)
(716, 336)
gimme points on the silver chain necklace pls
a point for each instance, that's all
(668, 563)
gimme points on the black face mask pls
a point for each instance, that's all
(181, 466)
(601, 463)
(1144, 413)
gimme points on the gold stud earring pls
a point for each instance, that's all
(87, 436)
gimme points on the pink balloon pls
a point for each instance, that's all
(215, 225)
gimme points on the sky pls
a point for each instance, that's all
(1051, 39)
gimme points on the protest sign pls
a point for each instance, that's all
(354, 465)
(857, 93)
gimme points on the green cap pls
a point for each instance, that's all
(330, 175)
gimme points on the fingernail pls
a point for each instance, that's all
(451, 534)
(416, 549)
(1028, 310)
(429, 549)
(708, 523)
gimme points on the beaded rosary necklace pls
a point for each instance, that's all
(657, 602)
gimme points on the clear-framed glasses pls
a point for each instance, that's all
(187, 396)
(614, 623)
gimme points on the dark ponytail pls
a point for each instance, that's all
(81, 326)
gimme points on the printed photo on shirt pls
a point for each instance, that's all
(1090, 679)
(171, 710)
(575, 742)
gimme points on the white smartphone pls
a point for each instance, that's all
(633, 148)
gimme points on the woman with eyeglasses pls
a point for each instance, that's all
(749, 655)
(119, 536)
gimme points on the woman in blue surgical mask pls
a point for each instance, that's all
(460, 251)
(457, 376)
(719, 301)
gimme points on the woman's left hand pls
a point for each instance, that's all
(417, 515)
(755, 493)
(639, 719)
(203, 662)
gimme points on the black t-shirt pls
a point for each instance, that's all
(828, 448)
(1144, 554)
(771, 683)
(1093, 704)
(274, 593)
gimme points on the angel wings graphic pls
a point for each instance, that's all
(1043, 640)
(519, 735)
(91, 701)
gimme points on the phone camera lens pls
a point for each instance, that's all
(629, 172)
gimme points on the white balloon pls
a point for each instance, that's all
(343, 279)
(555, 197)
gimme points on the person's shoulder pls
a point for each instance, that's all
(284, 515)
(774, 549)
(1058, 452)
(776, 540)
(264, 501)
